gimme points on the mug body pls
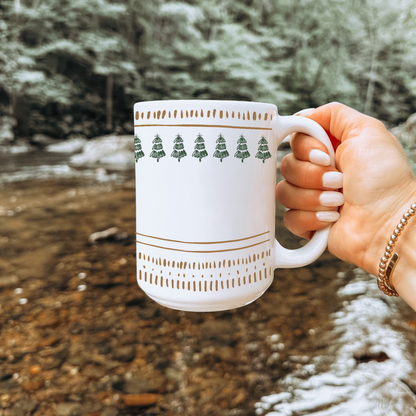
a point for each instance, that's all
(205, 205)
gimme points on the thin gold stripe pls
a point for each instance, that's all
(203, 125)
(212, 242)
(203, 252)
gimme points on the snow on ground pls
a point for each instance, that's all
(349, 389)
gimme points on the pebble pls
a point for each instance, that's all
(218, 329)
(92, 371)
(25, 406)
(110, 411)
(112, 233)
(35, 369)
(139, 385)
(79, 359)
(141, 400)
(275, 338)
(252, 347)
(8, 281)
(124, 354)
(364, 355)
(46, 321)
(226, 354)
(48, 341)
(68, 409)
(32, 385)
(50, 363)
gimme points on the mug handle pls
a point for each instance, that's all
(283, 126)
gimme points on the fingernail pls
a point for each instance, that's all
(318, 157)
(332, 179)
(328, 216)
(305, 112)
(331, 199)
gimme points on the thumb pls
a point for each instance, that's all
(342, 122)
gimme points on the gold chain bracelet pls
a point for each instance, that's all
(386, 269)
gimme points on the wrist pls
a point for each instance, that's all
(404, 277)
(397, 267)
(398, 205)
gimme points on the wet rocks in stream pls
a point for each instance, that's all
(88, 341)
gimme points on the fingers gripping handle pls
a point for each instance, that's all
(285, 125)
(282, 126)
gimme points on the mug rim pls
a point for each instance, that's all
(176, 112)
(191, 101)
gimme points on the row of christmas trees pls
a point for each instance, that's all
(200, 151)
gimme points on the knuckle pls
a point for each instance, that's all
(285, 165)
(280, 191)
(288, 221)
(308, 174)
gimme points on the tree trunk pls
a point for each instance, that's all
(109, 103)
(17, 7)
(372, 78)
(18, 110)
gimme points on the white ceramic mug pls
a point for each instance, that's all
(205, 201)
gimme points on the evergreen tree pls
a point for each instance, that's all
(178, 149)
(242, 150)
(157, 149)
(199, 149)
(138, 152)
(263, 150)
(221, 148)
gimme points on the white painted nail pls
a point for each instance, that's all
(318, 157)
(305, 112)
(331, 199)
(333, 180)
(328, 216)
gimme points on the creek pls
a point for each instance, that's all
(78, 336)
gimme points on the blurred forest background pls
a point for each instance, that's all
(77, 66)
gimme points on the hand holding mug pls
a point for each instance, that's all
(378, 186)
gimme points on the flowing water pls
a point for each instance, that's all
(44, 165)
(79, 337)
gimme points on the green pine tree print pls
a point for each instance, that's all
(242, 149)
(199, 149)
(157, 149)
(178, 148)
(263, 150)
(221, 148)
(138, 152)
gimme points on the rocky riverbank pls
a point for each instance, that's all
(78, 336)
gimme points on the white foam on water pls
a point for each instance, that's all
(55, 172)
(350, 389)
